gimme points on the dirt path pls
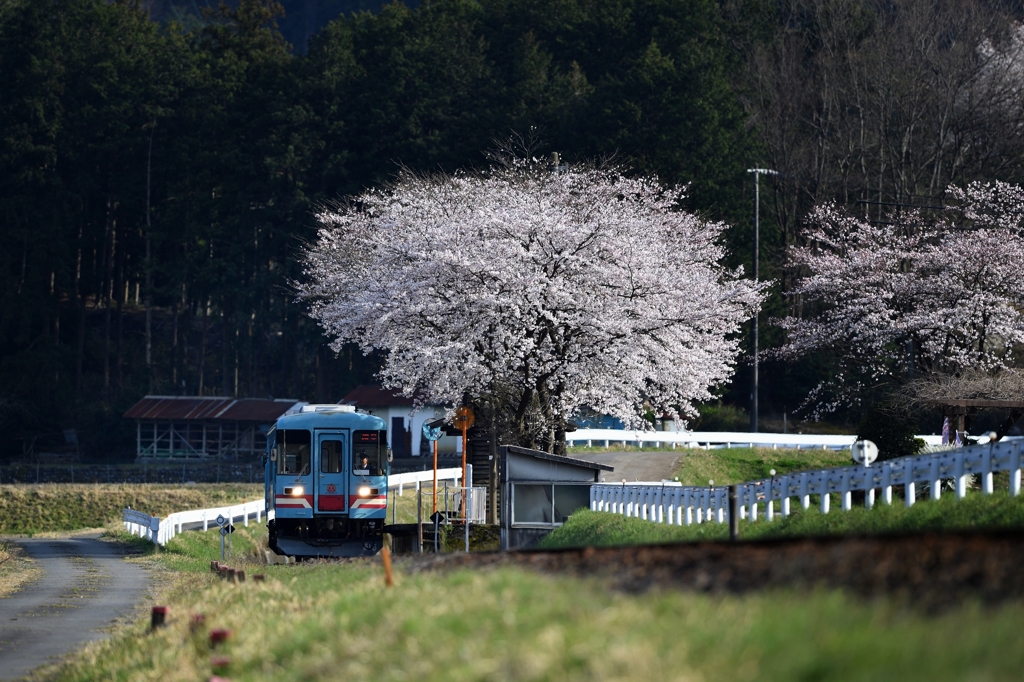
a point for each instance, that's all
(86, 585)
(635, 466)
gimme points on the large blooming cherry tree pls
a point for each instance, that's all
(918, 294)
(580, 288)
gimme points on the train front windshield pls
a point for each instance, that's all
(368, 453)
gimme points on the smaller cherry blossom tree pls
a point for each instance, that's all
(888, 300)
(564, 289)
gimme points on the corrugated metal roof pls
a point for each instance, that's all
(187, 408)
(256, 410)
(371, 395)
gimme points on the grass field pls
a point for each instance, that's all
(328, 621)
(975, 511)
(322, 621)
(737, 465)
(29, 509)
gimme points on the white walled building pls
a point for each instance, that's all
(405, 425)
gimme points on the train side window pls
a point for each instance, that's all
(293, 449)
(331, 456)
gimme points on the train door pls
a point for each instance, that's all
(330, 489)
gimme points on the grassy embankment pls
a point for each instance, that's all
(326, 621)
(744, 464)
(30, 509)
(16, 568)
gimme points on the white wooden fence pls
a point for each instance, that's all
(709, 440)
(160, 531)
(672, 503)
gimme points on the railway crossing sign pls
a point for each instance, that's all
(221, 520)
(225, 530)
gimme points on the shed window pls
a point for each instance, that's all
(547, 503)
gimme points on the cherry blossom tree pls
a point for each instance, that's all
(582, 287)
(942, 294)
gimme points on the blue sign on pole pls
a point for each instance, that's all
(432, 433)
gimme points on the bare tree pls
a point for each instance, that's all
(877, 105)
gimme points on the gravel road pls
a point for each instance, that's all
(86, 586)
(635, 466)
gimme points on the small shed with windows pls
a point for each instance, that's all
(539, 491)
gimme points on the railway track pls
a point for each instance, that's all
(932, 570)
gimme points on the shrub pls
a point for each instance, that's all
(891, 429)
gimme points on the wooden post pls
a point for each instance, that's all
(419, 520)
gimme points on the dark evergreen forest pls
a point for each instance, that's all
(161, 163)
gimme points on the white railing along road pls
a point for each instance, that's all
(715, 439)
(397, 482)
(673, 503)
(160, 531)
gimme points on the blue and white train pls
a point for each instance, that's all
(326, 479)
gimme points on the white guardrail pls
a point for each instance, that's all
(160, 531)
(397, 482)
(715, 439)
(672, 503)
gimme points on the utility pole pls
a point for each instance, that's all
(757, 258)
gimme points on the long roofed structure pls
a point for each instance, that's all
(204, 427)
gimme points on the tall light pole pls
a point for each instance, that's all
(758, 172)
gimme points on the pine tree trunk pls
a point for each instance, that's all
(110, 247)
(80, 298)
(202, 347)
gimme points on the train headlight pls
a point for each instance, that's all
(297, 491)
(364, 491)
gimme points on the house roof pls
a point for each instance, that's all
(187, 408)
(371, 395)
(560, 459)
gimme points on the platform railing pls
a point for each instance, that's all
(673, 503)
